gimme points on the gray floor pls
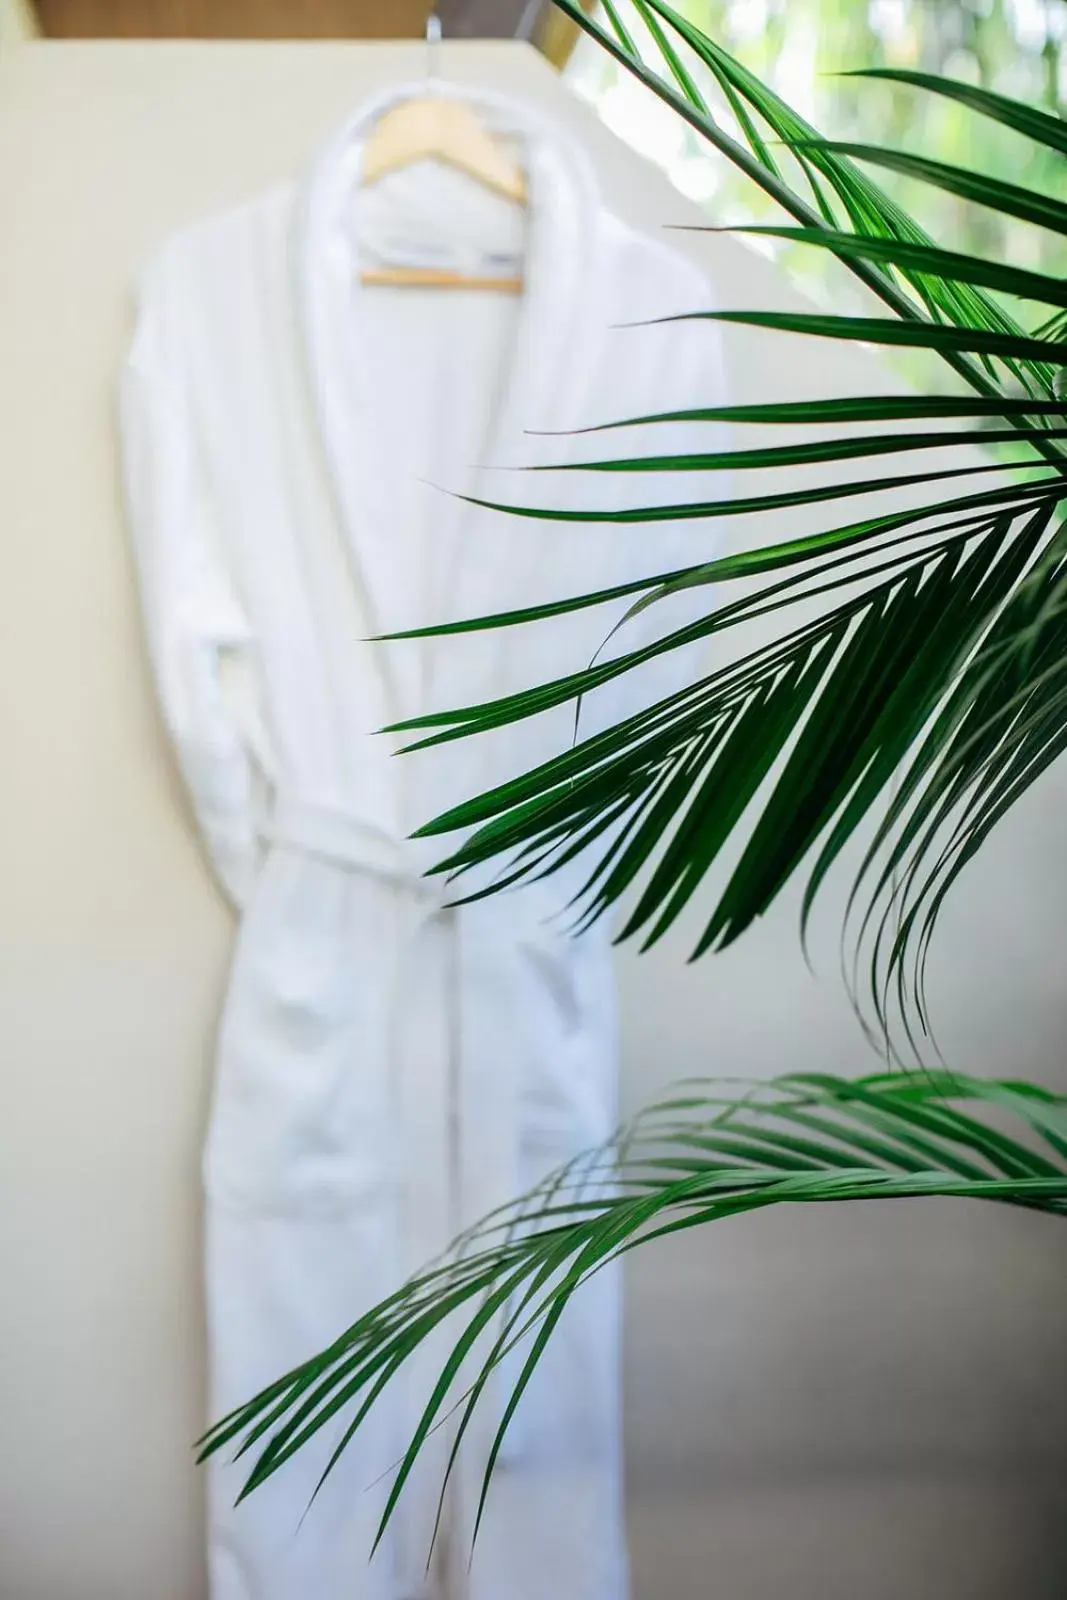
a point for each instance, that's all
(866, 1537)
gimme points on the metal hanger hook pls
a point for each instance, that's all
(434, 34)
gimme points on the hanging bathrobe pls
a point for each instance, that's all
(389, 1070)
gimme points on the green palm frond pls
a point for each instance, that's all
(1041, 126)
(916, 687)
(1010, 199)
(827, 171)
(926, 695)
(706, 1153)
(926, 258)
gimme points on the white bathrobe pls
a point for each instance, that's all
(388, 1071)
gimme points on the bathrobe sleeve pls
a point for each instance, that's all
(199, 638)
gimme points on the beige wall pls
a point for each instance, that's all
(867, 1405)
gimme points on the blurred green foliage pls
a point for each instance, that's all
(804, 48)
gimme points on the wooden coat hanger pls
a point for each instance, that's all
(440, 128)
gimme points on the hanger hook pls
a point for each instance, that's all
(434, 33)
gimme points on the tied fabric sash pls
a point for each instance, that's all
(347, 841)
(344, 840)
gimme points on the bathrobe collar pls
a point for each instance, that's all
(554, 366)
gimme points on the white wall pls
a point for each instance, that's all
(866, 1404)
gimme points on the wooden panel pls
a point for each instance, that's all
(307, 19)
(233, 19)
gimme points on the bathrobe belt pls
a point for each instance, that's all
(346, 840)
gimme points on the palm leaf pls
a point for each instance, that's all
(703, 1154)
(864, 201)
(1008, 199)
(915, 689)
(927, 259)
(891, 688)
(940, 337)
(1038, 125)
(869, 209)
(855, 408)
